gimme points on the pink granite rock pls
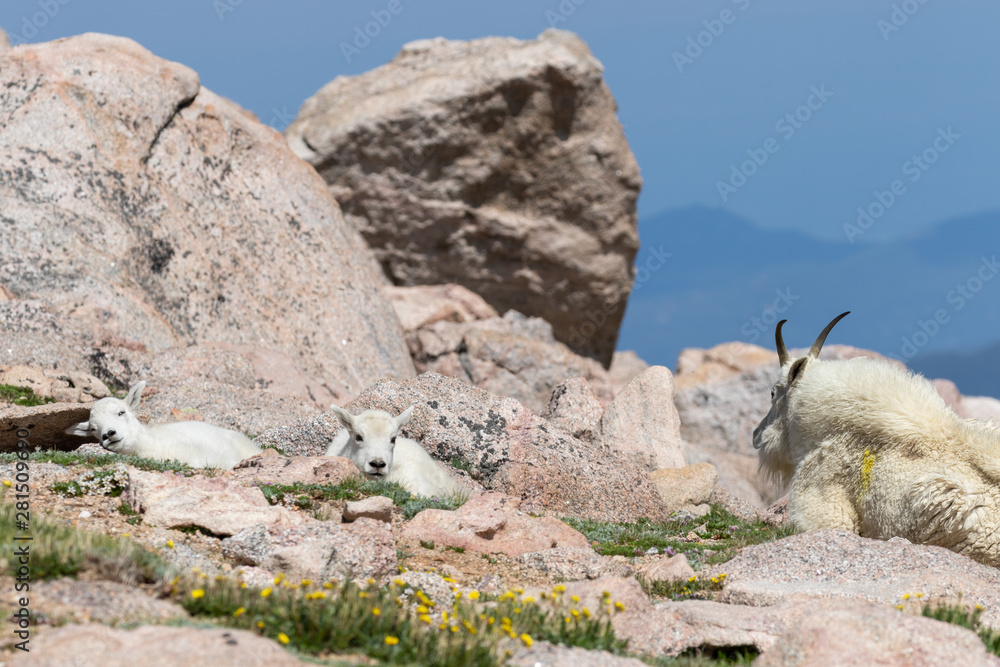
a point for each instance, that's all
(215, 504)
(491, 523)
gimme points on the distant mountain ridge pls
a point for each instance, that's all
(919, 299)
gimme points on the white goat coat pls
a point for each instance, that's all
(412, 467)
(875, 450)
(197, 444)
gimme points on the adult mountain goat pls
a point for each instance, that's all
(200, 445)
(873, 449)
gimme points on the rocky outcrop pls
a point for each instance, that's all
(837, 564)
(497, 164)
(45, 425)
(513, 356)
(506, 446)
(642, 422)
(144, 208)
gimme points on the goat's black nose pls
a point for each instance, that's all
(378, 464)
(108, 434)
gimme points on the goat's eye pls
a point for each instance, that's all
(121, 414)
(357, 436)
(393, 440)
(772, 393)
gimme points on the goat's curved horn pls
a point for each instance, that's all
(818, 345)
(780, 344)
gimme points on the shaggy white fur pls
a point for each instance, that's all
(873, 449)
(200, 445)
(371, 439)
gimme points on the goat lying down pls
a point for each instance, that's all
(371, 439)
(199, 445)
(873, 449)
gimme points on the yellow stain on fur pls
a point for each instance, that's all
(867, 464)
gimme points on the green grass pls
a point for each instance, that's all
(21, 396)
(695, 588)
(726, 535)
(307, 496)
(962, 617)
(341, 618)
(99, 460)
(61, 551)
(94, 482)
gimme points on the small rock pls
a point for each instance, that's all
(273, 468)
(373, 507)
(94, 645)
(84, 514)
(572, 563)
(685, 487)
(317, 550)
(215, 504)
(667, 568)
(491, 523)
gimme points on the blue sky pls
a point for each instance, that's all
(888, 88)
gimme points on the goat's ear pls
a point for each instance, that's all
(81, 429)
(135, 395)
(795, 372)
(404, 417)
(345, 417)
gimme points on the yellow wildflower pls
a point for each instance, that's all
(425, 618)
(198, 593)
(391, 641)
(376, 611)
(170, 544)
(620, 606)
(240, 612)
(558, 588)
(528, 641)
(283, 638)
(264, 593)
(7, 483)
(473, 595)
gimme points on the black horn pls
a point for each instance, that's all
(818, 345)
(780, 344)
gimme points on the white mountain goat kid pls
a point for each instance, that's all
(371, 439)
(873, 449)
(199, 445)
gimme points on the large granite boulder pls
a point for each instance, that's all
(155, 214)
(498, 164)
